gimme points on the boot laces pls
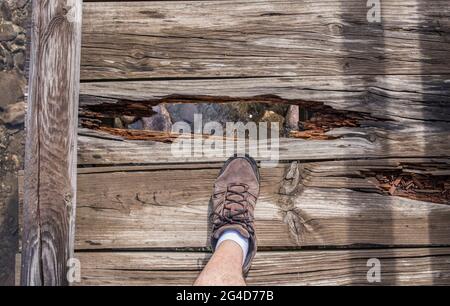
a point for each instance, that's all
(235, 194)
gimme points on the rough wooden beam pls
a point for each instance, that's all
(408, 140)
(50, 155)
(421, 266)
(328, 204)
(158, 39)
(420, 97)
(415, 107)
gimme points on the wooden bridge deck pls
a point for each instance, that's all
(322, 222)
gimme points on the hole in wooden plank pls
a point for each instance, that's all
(152, 120)
(416, 186)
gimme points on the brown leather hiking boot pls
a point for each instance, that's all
(233, 202)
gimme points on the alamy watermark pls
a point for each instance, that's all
(212, 139)
(374, 273)
(374, 12)
(74, 270)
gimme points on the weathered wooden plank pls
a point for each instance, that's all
(421, 266)
(263, 38)
(359, 174)
(423, 97)
(97, 151)
(50, 154)
(135, 209)
(418, 266)
(372, 140)
(416, 106)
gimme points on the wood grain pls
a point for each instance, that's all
(416, 108)
(374, 140)
(329, 204)
(50, 154)
(421, 266)
(213, 51)
(159, 39)
(396, 97)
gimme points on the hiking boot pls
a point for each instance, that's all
(236, 190)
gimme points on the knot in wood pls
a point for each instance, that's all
(291, 179)
(336, 29)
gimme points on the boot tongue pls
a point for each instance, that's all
(237, 227)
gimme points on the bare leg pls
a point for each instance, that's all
(224, 268)
(236, 191)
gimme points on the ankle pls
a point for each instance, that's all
(231, 253)
(232, 235)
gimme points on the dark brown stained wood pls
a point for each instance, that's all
(326, 204)
(50, 155)
(397, 97)
(420, 266)
(263, 38)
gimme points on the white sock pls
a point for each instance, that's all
(234, 235)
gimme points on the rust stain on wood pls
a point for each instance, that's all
(140, 134)
(325, 120)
